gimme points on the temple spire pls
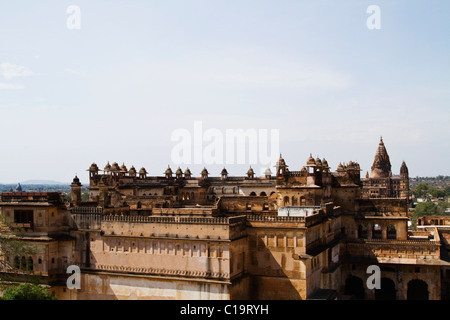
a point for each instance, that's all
(381, 167)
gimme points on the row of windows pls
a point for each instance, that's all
(294, 201)
(164, 248)
(279, 241)
(377, 230)
(27, 263)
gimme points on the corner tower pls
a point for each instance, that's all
(75, 192)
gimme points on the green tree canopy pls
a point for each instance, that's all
(27, 291)
(426, 209)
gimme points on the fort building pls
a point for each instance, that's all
(305, 234)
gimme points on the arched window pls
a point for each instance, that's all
(302, 201)
(139, 205)
(23, 263)
(263, 194)
(16, 263)
(30, 264)
(294, 201)
(192, 196)
(252, 194)
(391, 232)
(362, 231)
(286, 201)
(376, 231)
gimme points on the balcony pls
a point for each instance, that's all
(418, 249)
(21, 225)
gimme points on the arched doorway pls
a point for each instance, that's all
(417, 290)
(387, 291)
(354, 287)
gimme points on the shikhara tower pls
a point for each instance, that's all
(382, 183)
(381, 167)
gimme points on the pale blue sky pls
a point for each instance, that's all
(136, 71)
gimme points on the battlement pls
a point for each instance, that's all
(86, 221)
(174, 219)
(299, 221)
(94, 221)
(415, 250)
(86, 210)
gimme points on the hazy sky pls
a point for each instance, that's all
(135, 71)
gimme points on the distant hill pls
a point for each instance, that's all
(48, 182)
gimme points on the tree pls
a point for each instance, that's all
(27, 291)
(421, 190)
(429, 209)
(447, 191)
(437, 193)
(425, 209)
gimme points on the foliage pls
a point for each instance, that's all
(27, 291)
(424, 190)
(429, 209)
